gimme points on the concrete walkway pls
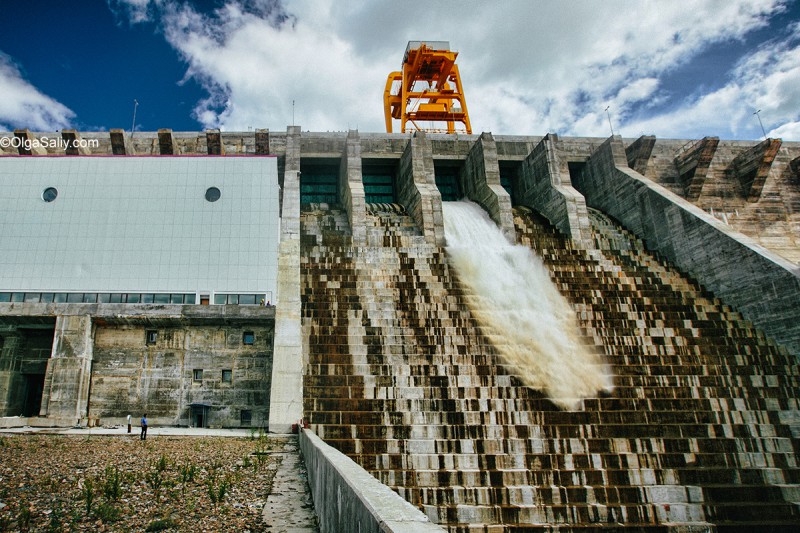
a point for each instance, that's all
(289, 506)
(152, 431)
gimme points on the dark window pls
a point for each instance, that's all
(47, 297)
(90, 298)
(189, 298)
(60, 297)
(227, 376)
(176, 298)
(103, 298)
(161, 298)
(246, 417)
(233, 299)
(133, 298)
(248, 338)
(247, 299)
(75, 298)
(49, 194)
(116, 299)
(447, 182)
(18, 297)
(147, 298)
(5, 296)
(197, 374)
(319, 183)
(219, 299)
(152, 336)
(212, 194)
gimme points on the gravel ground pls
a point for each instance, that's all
(119, 483)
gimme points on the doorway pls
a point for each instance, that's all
(199, 415)
(34, 386)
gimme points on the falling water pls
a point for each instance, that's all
(513, 298)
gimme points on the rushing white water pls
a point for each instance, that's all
(512, 296)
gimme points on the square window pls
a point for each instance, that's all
(246, 417)
(151, 337)
(219, 299)
(248, 338)
(60, 297)
(133, 298)
(197, 374)
(227, 376)
(161, 298)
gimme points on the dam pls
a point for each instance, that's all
(614, 345)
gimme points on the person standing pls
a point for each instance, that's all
(129, 423)
(144, 427)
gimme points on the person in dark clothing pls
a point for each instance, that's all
(144, 427)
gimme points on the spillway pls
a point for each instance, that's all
(511, 294)
(404, 377)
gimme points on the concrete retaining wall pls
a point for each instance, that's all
(347, 497)
(480, 181)
(763, 286)
(543, 184)
(351, 188)
(416, 188)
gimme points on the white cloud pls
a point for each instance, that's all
(24, 106)
(788, 132)
(767, 79)
(529, 67)
(135, 11)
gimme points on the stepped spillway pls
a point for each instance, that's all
(513, 298)
(698, 433)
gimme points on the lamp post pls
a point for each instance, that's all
(758, 114)
(609, 120)
(133, 125)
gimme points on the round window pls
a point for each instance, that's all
(49, 194)
(212, 194)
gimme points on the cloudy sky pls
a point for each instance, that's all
(673, 69)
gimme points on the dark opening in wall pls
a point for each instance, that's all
(446, 173)
(575, 171)
(508, 176)
(319, 182)
(24, 362)
(378, 177)
(34, 386)
(248, 338)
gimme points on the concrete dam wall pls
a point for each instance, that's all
(698, 430)
(675, 262)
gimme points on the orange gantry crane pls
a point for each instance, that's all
(428, 89)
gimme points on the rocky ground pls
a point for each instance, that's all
(119, 483)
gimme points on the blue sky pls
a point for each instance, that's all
(528, 66)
